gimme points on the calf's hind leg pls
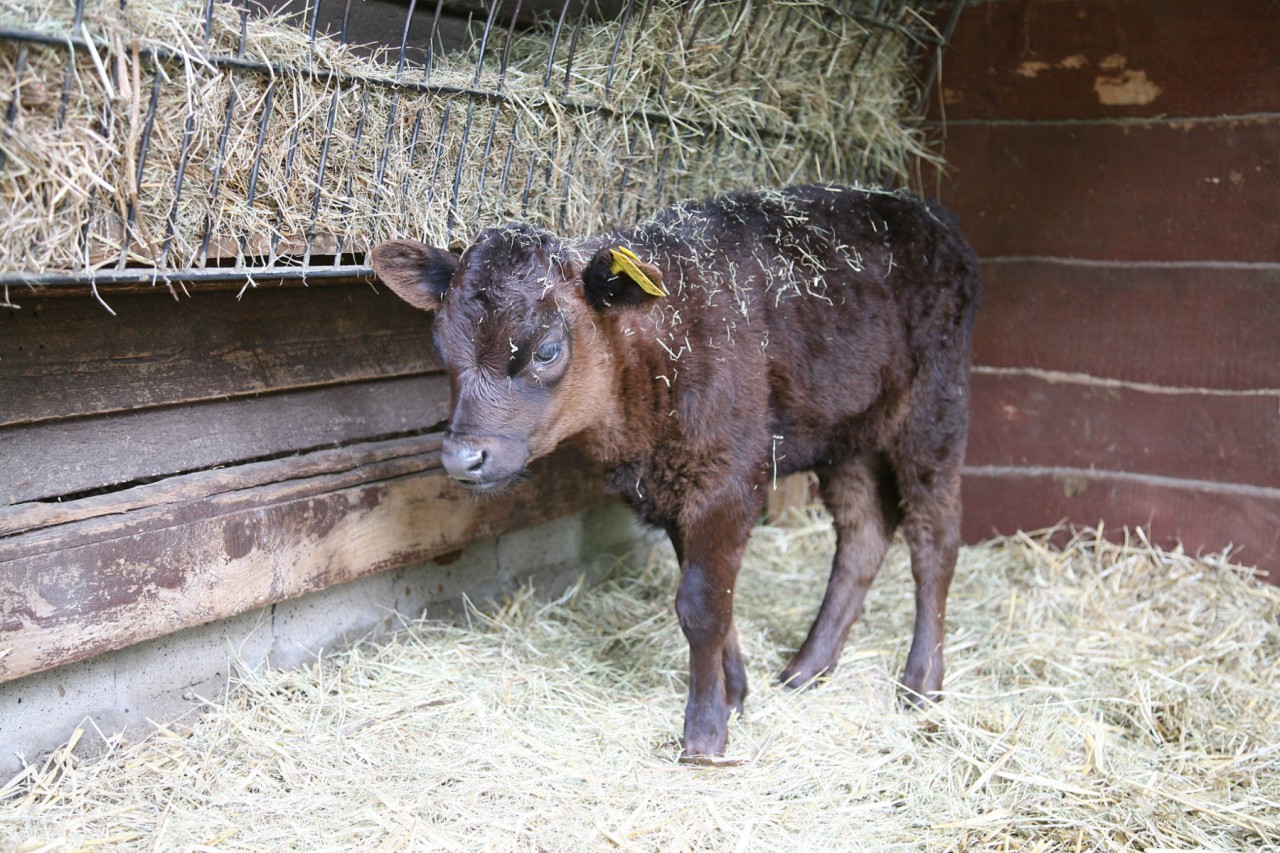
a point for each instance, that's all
(932, 531)
(863, 501)
(928, 462)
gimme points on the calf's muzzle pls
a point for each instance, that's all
(482, 461)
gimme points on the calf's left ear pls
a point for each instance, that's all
(417, 273)
(616, 276)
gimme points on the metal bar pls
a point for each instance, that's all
(573, 46)
(754, 10)
(222, 150)
(324, 162)
(698, 22)
(346, 202)
(188, 132)
(137, 275)
(666, 77)
(386, 150)
(452, 216)
(404, 35)
(244, 33)
(439, 152)
(69, 75)
(346, 19)
(506, 49)
(555, 44)
(932, 74)
(568, 181)
(511, 150)
(617, 45)
(11, 114)
(311, 33)
(431, 43)
(413, 152)
(324, 77)
(252, 194)
(493, 122)
(217, 176)
(208, 20)
(626, 169)
(288, 174)
(232, 63)
(131, 220)
(147, 129)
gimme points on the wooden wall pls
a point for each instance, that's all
(1116, 164)
(188, 460)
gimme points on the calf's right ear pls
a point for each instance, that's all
(615, 275)
(417, 273)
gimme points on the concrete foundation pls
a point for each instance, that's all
(121, 692)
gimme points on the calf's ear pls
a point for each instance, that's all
(616, 276)
(417, 273)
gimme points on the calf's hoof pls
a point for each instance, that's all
(916, 694)
(798, 675)
(704, 747)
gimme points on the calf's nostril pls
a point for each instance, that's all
(478, 461)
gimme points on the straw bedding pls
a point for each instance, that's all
(1101, 697)
(702, 98)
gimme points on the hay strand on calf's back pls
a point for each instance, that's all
(1101, 696)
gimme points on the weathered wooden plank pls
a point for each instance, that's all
(1198, 327)
(1031, 421)
(64, 356)
(112, 583)
(188, 498)
(1099, 58)
(127, 503)
(1160, 191)
(1202, 519)
(48, 460)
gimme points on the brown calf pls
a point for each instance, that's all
(817, 328)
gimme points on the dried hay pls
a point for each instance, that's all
(1102, 697)
(700, 99)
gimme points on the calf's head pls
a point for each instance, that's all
(518, 326)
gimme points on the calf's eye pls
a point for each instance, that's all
(546, 353)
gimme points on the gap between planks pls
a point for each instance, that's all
(1071, 378)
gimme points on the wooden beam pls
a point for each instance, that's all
(66, 357)
(45, 461)
(1166, 191)
(105, 582)
(1198, 516)
(44, 516)
(1099, 58)
(1202, 326)
(1195, 435)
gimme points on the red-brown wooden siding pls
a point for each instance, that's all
(1117, 167)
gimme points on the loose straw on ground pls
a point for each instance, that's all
(1100, 697)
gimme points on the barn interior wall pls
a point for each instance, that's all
(1116, 164)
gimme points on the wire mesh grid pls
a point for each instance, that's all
(157, 142)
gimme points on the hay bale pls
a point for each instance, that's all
(250, 141)
(1100, 697)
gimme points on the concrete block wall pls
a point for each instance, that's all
(123, 691)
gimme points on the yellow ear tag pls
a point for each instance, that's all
(625, 261)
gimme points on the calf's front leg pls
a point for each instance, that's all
(713, 542)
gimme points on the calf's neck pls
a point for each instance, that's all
(704, 353)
